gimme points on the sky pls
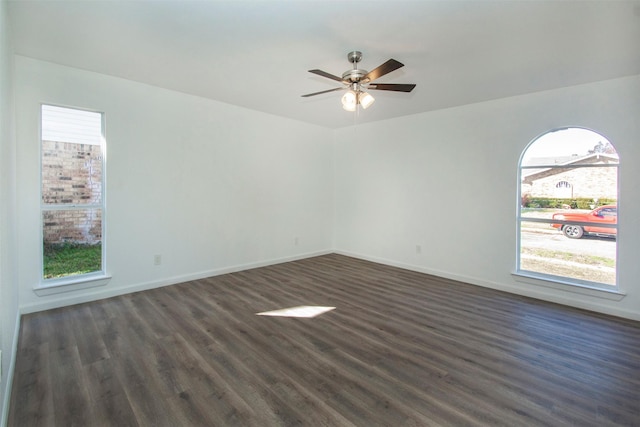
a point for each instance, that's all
(565, 142)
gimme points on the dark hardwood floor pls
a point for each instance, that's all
(400, 349)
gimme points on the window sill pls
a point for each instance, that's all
(68, 284)
(576, 288)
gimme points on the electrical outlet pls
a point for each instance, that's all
(157, 259)
(418, 249)
(296, 241)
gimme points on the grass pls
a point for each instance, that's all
(71, 259)
(568, 256)
(589, 274)
(595, 268)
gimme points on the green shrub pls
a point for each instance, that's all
(552, 203)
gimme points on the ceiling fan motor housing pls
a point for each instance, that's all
(355, 75)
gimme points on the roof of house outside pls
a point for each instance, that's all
(533, 174)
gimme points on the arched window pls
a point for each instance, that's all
(567, 221)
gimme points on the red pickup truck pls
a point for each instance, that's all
(589, 223)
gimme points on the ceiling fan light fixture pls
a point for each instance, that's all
(349, 101)
(365, 99)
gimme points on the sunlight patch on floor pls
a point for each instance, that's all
(299, 311)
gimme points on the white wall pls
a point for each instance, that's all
(447, 181)
(8, 284)
(213, 187)
(208, 186)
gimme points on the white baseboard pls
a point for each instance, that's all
(9, 374)
(557, 297)
(94, 294)
(528, 291)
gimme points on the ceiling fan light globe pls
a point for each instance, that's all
(349, 107)
(366, 100)
(349, 101)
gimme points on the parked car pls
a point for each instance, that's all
(607, 214)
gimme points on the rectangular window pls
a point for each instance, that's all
(72, 171)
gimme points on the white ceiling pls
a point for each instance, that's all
(256, 54)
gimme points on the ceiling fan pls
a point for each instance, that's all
(356, 81)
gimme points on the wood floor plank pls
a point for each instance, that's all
(108, 397)
(88, 340)
(317, 348)
(237, 363)
(271, 371)
(397, 370)
(394, 365)
(400, 349)
(32, 378)
(71, 400)
(342, 392)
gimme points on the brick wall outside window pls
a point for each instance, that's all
(71, 175)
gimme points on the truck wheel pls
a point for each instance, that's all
(573, 231)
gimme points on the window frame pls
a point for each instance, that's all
(76, 281)
(563, 282)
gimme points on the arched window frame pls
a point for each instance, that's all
(560, 280)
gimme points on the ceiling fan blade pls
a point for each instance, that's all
(325, 74)
(324, 91)
(391, 86)
(387, 67)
